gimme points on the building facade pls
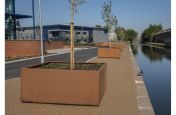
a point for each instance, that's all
(62, 32)
(163, 36)
(11, 19)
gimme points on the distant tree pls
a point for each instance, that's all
(106, 28)
(107, 16)
(98, 26)
(120, 33)
(18, 28)
(18, 25)
(130, 35)
(148, 33)
(74, 4)
(9, 33)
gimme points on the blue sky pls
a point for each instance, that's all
(135, 14)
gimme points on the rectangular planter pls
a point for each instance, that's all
(118, 47)
(82, 87)
(99, 44)
(109, 53)
(122, 44)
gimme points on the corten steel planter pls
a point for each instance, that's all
(82, 87)
(117, 46)
(121, 44)
(99, 44)
(109, 53)
(102, 44)
(113, 45)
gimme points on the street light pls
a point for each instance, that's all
(33, 15)
(41, 33)
(82, 35)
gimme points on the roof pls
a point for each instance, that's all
(66, 26)
(163, 31)
(17, 16)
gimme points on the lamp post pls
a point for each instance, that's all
(33, 13)
(82, 35)
(41, 33)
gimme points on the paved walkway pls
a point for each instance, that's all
(120, 97)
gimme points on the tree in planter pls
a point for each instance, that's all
(120, 32)
(109, 19)
(74, 4)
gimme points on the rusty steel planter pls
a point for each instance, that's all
(109, 53)
(118, 47)
(82, 87)
(99, 44)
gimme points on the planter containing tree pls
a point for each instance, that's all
(54, 82)
(109, 53)
(99, 44)
(107, 50)
(64, 82)
(114, 45)
(118, 46)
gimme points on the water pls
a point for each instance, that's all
(155, 63)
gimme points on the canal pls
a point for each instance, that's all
(155, 62)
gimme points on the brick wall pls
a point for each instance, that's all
(21, 48)
(53, 45)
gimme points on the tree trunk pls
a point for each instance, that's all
(109, 37)
(72, 60)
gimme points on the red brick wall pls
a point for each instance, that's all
(53, 45)
(20, 48)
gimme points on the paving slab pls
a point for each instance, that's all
(120, 97)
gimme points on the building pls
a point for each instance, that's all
(112, 36)
(62, 32)
(11, 18)
(163, 36)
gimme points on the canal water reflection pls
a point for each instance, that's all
(155, 63)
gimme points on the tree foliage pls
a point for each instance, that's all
(98, 26)
(148, 33)
(125, 35)
(120, 33)
(74, 4)
(130, 35)
(109, 19)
